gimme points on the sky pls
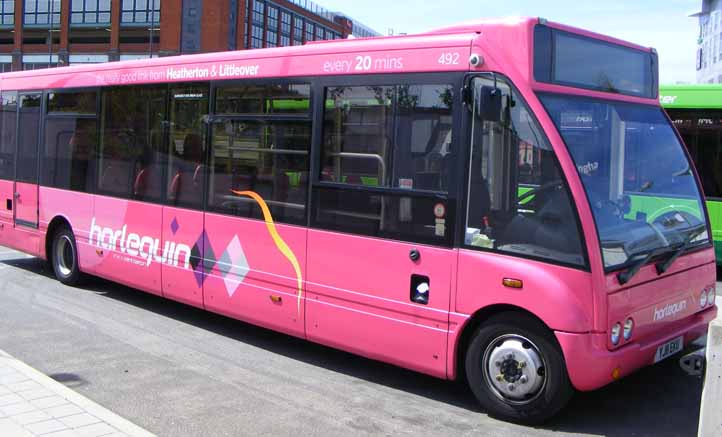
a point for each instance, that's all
(662, 24)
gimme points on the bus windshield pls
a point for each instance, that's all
(639, 182)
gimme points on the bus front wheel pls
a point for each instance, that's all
(516, 369)
(64, 256)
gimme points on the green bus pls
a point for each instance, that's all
(696, 111)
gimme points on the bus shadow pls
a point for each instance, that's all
(659, 400)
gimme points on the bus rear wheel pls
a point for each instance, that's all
(64, 257)
(516, 369)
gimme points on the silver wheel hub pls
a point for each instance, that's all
(514, 369)
(65, 256)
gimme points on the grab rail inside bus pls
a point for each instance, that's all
(278, 151)
(373, 156)
(230, 199)
(382, 164)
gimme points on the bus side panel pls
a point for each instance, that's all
(77, 209)
(249, 274)
(127, 235)
(6, 212)
(359, 299)
(560, 296)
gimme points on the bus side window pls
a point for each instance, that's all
(268, 157)
(386, 160)
(186, 145)
(8, 133)
(70, 140)
(131, 157)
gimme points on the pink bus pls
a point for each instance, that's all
(501, 201)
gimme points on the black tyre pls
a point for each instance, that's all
(64, 257)
(516, 369)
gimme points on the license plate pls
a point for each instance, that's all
(668, 349)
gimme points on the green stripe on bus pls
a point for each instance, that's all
(702, 96)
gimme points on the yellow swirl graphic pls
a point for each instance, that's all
(282, 246)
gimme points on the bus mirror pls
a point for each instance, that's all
(488, 103)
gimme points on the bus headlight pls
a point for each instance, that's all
(703, 299)
(616, 330)
(711, 295)
(628, 326)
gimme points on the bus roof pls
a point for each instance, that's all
(505, 45)
(691, 96)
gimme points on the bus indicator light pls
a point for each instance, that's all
(616, 373)
(513, 283)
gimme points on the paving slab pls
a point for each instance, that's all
(33, 404)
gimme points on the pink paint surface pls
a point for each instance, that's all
(356, 290)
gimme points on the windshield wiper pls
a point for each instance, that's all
(633, 269)
(681, 248)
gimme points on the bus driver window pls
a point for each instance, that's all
(518, 199)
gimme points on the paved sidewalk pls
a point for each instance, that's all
(32, 404)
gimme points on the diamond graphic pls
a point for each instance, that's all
(174, 226)
(202, 250)
(233, 266)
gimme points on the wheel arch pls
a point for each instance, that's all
(463, 339)
(56, 223)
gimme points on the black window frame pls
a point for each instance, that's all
(452, 198)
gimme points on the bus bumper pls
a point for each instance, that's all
(591, 365)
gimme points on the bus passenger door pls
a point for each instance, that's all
(25, 195)
(381, 268)
(183, 230)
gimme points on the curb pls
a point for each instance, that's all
(710, 419)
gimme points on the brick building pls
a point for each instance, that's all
(42, 33)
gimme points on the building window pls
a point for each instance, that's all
(309, 31)
(271, 39)
(140, 12)
(34, 62)
(90, 12)
(258, 13)
(272, 26)
(257, 37)
(285, 41)
(273, 18)
(297, 31)
(7, 12)
(39, 11)
(88, 59)
(319, 33)
(285, 23)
